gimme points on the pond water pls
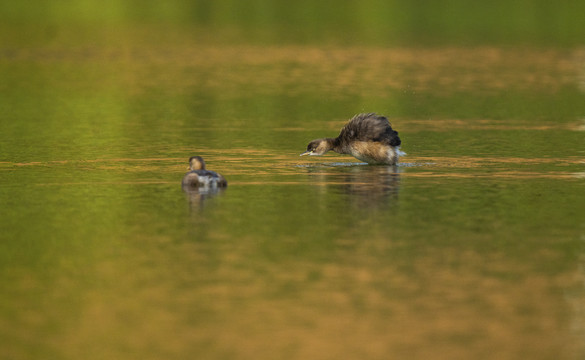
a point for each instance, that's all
(473, 247)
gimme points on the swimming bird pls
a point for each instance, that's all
(199, 177)
(367, 137)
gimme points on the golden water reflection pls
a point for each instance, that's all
(469, 248)
(358, 306)
(253, 162)
(294, 68)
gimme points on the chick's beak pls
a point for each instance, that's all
(307, 153)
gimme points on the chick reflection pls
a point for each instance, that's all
(197, 196)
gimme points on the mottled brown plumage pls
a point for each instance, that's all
(368, 137)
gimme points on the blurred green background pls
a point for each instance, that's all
(365, 22)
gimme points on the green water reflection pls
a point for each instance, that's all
(471, 248)
(372, 22)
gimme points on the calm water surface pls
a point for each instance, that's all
(473, 247)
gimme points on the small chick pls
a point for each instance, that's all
(199, 177)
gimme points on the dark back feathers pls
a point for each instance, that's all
(369, 127)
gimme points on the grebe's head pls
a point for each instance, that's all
(196, 163)
(319, 147)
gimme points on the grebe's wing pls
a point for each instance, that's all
(369, 127)
(215, 178)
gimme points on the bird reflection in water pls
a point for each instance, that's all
(366, 187)
(197, 196)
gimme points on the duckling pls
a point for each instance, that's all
(367, 137)
(200, 177)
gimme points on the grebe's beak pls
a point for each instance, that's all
(306, 153)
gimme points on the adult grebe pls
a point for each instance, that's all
(199, 177)
(368, 137)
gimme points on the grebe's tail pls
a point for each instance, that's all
(399, 152)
